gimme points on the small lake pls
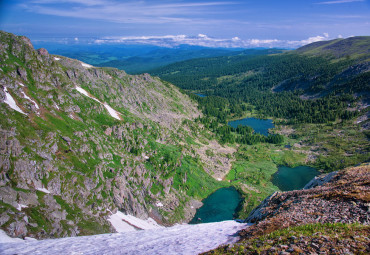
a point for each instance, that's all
(201, 95)
(260, 126)
(287, 178)
(219, 206)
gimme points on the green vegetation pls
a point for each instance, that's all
(252, 171)
(274, 86)
(330, 235)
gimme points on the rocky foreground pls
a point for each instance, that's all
(329, 219)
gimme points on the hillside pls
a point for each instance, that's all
(355, 47)
(79, 143)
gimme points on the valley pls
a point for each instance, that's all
(81, 143)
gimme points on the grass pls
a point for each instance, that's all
(252, 171)
(329, 229)
(335, 236)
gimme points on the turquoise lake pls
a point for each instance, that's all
(219, 206)
(260, 126)
(287, 178)
(201, 95)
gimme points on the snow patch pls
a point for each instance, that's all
(179, 239)
(82, 91)
(55, 58)
(159, 204)
(9, 100)
(112, 112)
(20, 206)
(86, 65)
(4, 238)
(27, 97)
(126, 223)
(43, 190)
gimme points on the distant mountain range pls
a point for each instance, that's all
(315, 70)
(138, 58)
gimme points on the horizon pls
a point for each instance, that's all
(217, 23)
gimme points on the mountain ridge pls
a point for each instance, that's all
(93, 140)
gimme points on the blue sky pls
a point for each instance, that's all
(234, 22)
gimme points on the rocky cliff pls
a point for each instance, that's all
(78, 142)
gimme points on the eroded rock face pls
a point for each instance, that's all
(344, 197)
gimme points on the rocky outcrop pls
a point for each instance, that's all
(330, 216)
(320, 180)
(345, 198)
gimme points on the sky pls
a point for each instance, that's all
(215, 23)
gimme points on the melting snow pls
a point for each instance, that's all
(11, 102)
(111, 111)
(125, 223)
(159, 204)
(20, 206)
(179, 239)
(82, 91)
(43, 190)
(86, 65)
(56, 58)
(4, 238)
(26, 97)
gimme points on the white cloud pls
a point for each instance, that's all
(207, 41)
(340, 1)
(309, 40)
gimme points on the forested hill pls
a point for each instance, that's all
(357, 47)
(278, 84)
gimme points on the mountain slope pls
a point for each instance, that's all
(357, 46)
(78, 142)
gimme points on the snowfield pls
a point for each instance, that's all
(9, 100)
(125, 223)
(43, 190)
(179, 239)
(86, 65)
(27, 97)
(110, 110)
